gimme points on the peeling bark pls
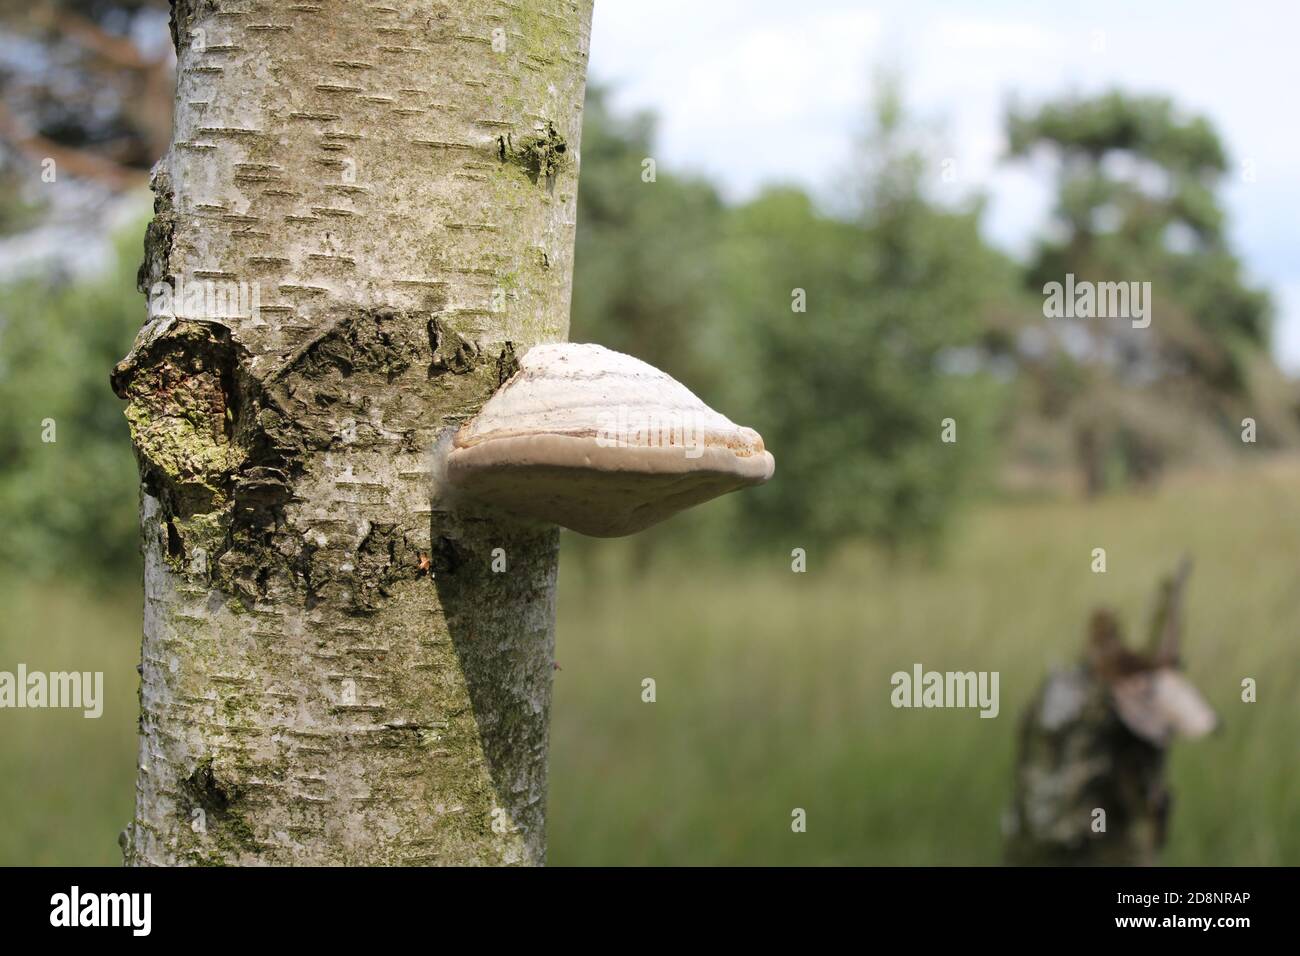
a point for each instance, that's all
(331, 671)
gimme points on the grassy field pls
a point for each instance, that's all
(773, 690)
(67, 783)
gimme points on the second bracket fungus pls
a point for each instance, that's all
(601, 443)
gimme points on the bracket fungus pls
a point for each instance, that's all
(599, 442)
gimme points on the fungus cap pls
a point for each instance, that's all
(600, 442)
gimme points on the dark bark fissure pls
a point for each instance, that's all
(221, 447)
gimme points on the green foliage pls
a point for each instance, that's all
(1147, 126)
(68, 506)
(852, 393)
(849, 395)
(18, 209)
(646, 273)
(1137, 201)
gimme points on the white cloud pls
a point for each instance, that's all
(994, 35)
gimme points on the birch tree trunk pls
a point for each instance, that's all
(332, 671)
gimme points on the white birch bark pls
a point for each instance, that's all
(332, 672)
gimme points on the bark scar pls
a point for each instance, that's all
(542, 156)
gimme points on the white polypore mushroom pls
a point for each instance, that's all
(601, 443)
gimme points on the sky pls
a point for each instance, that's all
(751, 92)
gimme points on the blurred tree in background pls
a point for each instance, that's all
(1136, 202)
(87, 83)
(845, 337)
(72, 512)
(853, 392)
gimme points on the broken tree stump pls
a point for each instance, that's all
(1089, 777)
